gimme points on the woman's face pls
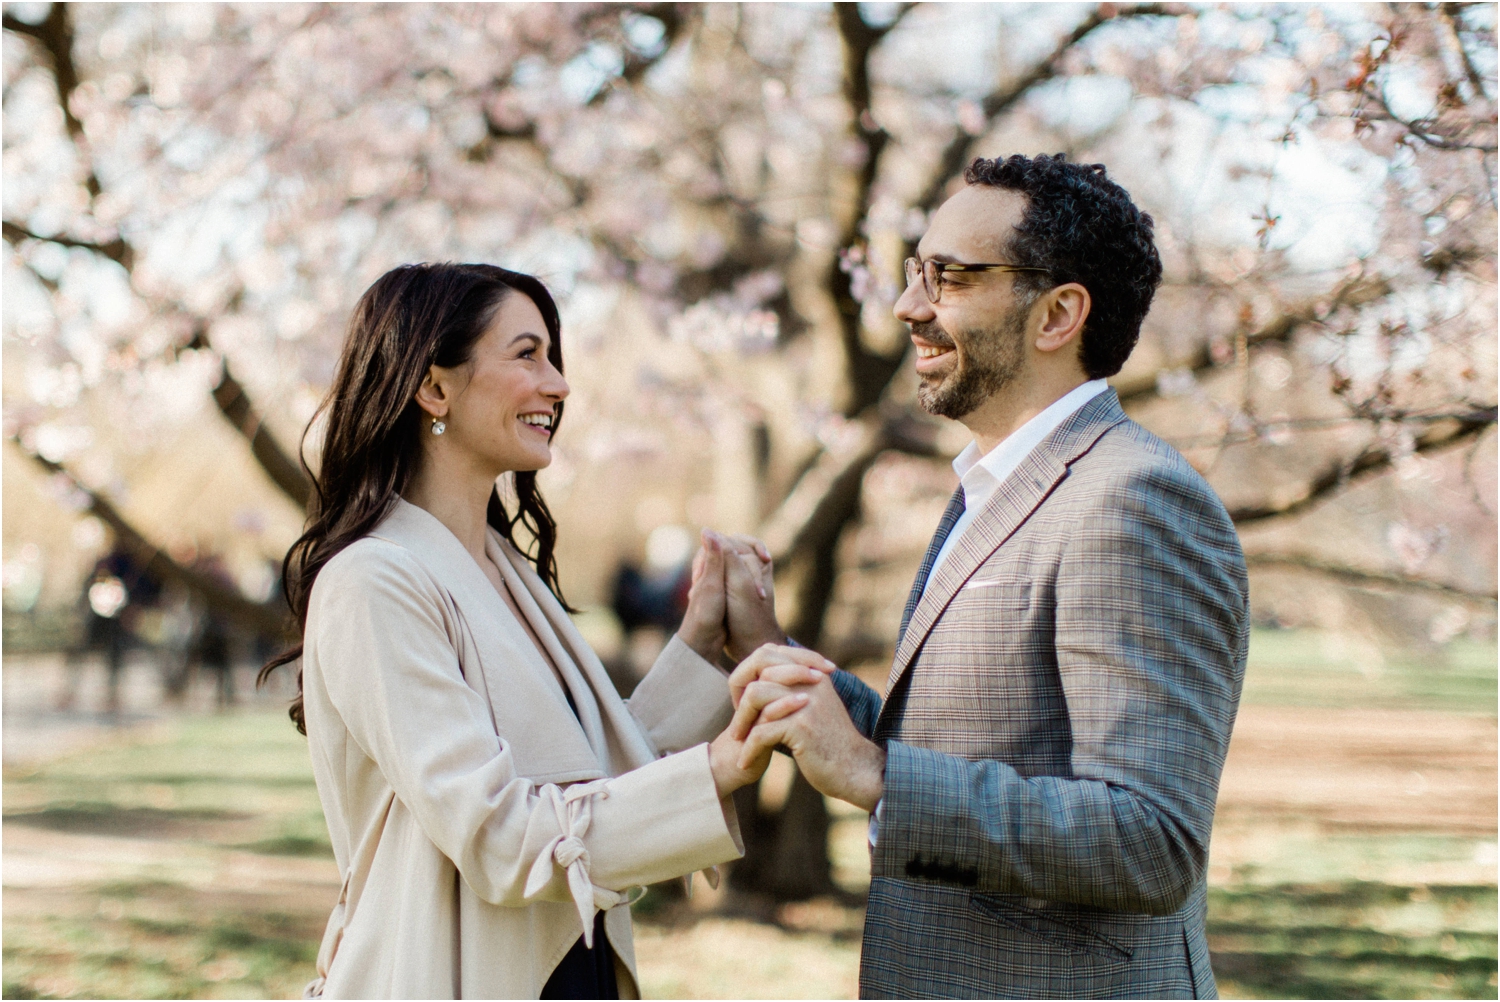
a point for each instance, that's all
(503, 401)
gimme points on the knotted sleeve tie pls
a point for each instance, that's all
(574, 810)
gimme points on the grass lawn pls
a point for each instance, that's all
(188, 858)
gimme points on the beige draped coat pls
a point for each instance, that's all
(443, 747)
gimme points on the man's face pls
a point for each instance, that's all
(971, 344)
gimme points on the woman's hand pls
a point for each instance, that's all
(704, 624)
(770, 657)
(781, 698)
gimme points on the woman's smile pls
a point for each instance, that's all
(539, 422)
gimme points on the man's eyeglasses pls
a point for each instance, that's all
(931, 273)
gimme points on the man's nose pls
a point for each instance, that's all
(912, 306)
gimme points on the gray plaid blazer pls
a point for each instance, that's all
(1058, 714)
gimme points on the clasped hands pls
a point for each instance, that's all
(782, 695)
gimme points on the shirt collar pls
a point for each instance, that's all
(982, 474)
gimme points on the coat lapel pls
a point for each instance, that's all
(1006, 511)
(612, 730)
(527, 702)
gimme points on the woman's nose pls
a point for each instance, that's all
(555, 386)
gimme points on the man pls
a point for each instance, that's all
(1043, 771)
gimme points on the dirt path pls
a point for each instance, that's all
(1364, 769)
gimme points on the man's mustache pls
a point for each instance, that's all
(929, 331)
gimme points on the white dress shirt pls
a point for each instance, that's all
(982, 476)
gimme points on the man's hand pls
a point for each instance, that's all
(771, 655)
(750, 595)
(836, 759)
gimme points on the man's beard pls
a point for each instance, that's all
(991, 359)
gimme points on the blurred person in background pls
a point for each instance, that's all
(490, 799)
(213, 651)
(1043, 771)
(116, 591)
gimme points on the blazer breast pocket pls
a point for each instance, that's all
(1009, 597)
(1065, 933)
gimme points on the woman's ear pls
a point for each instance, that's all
(1066, 310)
(432, 395)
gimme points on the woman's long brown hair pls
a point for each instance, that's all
(412, 318)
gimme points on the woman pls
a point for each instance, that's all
(489, 797)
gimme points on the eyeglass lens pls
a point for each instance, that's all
(928, 270)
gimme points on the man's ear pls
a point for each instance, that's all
(1065, 309)
(432, 395)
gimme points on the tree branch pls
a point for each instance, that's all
(238, 409)
(55, 35)
(269, 618)
(229, 395)
(117, 250)
(955, 155)
(1378, 580)
(868, 371)
(1450, 14)
(1353, 293)
(1368, 463)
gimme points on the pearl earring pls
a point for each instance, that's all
(438, 427)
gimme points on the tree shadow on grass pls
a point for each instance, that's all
(95, 818)
(1354, 940)
(1359, 976)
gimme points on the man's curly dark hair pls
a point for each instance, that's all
(1081, 227)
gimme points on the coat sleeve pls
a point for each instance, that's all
(683, 700)
(388, 657)
(1151, 625)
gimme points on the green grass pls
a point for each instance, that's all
(241, 955)
(234, 780)
(1354, 940)
(1296, 925)
(238, 782)
(1312, 668)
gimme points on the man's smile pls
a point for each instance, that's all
(933, 349)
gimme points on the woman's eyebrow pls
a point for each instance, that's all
(541, 341)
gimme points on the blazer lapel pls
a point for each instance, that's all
(1006, 511)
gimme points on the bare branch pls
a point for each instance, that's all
(1379, 580)
(267, 618)
(238, 409)
(55, 35)
(955, 155)
(1368, 463)
(117, 250)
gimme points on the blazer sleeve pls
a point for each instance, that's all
(1151, 623)
(683, 700)
(862, 702)
(387, 653)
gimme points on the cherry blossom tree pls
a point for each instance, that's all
(722, 196)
